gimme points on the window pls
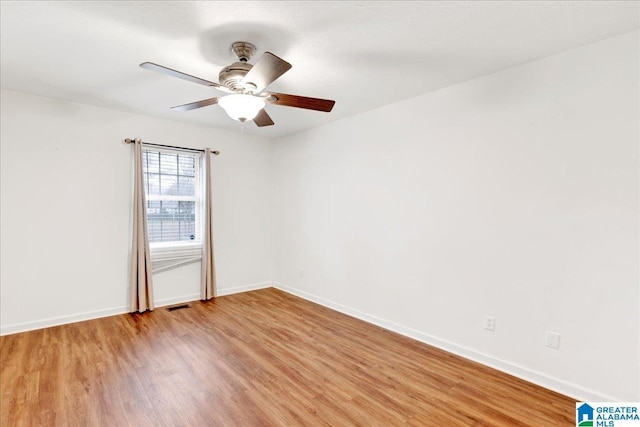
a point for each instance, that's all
(174, 206)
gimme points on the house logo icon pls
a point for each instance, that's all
(584, 415)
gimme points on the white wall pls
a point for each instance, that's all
(65, 212)
(513, 195)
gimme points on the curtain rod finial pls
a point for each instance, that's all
(217, 153)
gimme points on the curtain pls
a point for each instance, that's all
(208, 278)
(141, 279)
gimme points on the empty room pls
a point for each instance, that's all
(344, 213)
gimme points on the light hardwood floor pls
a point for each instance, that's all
(262, 358)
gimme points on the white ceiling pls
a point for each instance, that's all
(362, 54)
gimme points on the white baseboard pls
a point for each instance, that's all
(579, 393)
(246, 288)
(60, 320)
(90, 315)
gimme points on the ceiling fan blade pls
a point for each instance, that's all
(317, 104)
(263, 119)
(268, 68)
(179, 74)
(197, 104)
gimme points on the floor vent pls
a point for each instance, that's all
(178, 307)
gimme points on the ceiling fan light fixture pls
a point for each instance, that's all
(241, 107)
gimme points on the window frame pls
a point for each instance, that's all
(177, 249)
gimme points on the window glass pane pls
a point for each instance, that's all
(153, 161)
(169, 163)
(154, 221)
(169, 208)
(155, 231)
(188, 231)
(187, 186)
(187, 220)
(187, 211)
(153, 209)
(168, 185)
(170, 221)
(153, 184)
(186, 165)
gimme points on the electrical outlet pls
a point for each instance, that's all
(300, 273)
(552, 340)
(490, 323)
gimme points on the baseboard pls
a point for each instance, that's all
(246, 288)
(579, 393)
(60, 320)
(90, 315)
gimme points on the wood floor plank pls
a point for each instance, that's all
(262, 358)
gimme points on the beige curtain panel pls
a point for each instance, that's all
(208, 279)
(141, 279)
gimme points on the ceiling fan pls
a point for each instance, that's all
(244, 84)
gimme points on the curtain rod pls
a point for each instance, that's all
(129, 141)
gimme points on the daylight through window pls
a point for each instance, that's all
(173, 191)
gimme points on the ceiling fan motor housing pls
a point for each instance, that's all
(231, 76)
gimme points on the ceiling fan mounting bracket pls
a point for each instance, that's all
(243, 50)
